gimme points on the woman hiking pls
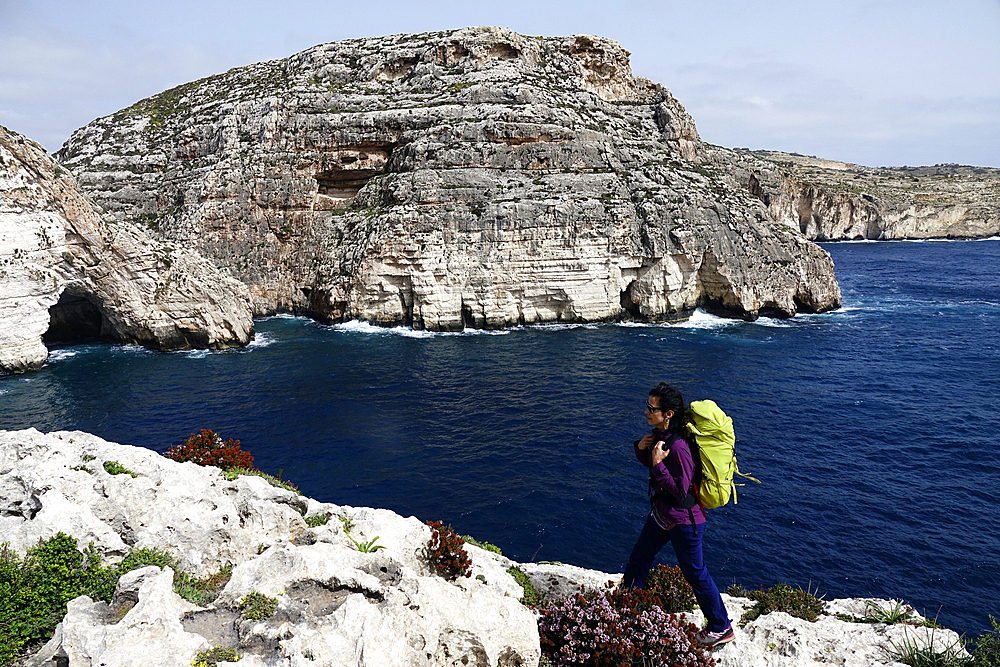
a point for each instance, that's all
(676, 517)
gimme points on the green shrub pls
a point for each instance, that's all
(920, 652)
(492, 548)
(737, 591)
(667, 583)
(317, 520)
(257, 606)
(529, 596)
(115, 468)
(276, 482)
(146, 556)
(201, 591)
(214, 656)
(446, 554)
(366, 547)
(986, 652)
(34, 592)
(782, 597)
(898, 612)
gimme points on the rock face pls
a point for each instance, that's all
(836, 201)
(64, 273)
(336, 605)
(470, 178)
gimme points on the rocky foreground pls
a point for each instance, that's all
(336, 605)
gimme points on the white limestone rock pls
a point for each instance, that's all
(468, 178)
(150, 633)
(829, 200)
(193, 512)
(65, 271)
(780, 640)
(336, 605)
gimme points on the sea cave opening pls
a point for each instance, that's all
(74, 318)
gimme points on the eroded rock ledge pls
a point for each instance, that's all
(336, 605)
(469, 178)
(66, 274)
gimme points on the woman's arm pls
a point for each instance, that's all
(643, 447)
(673, 475)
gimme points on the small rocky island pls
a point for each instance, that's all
(335, 603)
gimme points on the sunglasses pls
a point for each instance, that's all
(653, 408)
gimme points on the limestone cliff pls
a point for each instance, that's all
(835, 201)
(469, 178)
(66, 273)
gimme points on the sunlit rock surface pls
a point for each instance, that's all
(836, 201)
(471, 178)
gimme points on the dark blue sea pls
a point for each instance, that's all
(873, 428)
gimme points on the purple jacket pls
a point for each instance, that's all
(671, 479)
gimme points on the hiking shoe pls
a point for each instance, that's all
(707, 638)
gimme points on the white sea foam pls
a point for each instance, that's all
(699, 320)
(261, 340)
(60, 355)
(702, 320)
(357, 326)
(562, 326)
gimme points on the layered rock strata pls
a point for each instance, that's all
(469, 178)
(336, 605)
(65, 273)
(836, 201)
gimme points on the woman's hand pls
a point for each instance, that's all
(647, 441)
(658, 453)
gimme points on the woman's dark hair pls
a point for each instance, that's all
(671, 399)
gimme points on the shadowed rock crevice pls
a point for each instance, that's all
(343, 184)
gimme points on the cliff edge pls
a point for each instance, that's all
(336, 605)
(471, 178)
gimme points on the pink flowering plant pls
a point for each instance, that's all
(611, 628)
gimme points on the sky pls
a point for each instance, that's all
(878, 83)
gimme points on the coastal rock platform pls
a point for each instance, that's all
(336, 604)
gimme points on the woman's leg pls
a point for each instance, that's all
(687, 546)
(651, 540)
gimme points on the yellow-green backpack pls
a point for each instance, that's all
(712, 431)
